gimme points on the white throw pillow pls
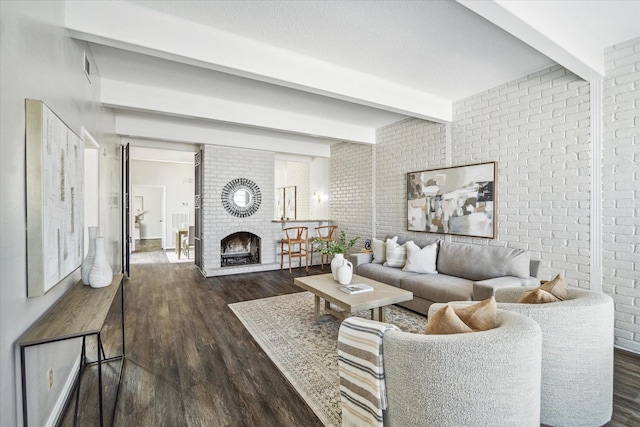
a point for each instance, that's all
(421, 260)
(380, 250)
(396, 254)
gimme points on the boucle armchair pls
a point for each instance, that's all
(489, 378)
(577, 355)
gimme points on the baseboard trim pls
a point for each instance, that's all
(59, 408)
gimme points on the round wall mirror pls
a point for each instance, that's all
(241, 197)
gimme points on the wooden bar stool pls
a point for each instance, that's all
(296, 241)
(324, 235)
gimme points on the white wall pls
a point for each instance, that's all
(308, 177)
(352, 201)
(407, 146)
(298, 176)
(280, 177)
(177, 178)
(621, 189)
(319, 182)
(151, 223)
(40, 61)
(91, 190)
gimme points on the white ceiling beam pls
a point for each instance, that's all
(134, 28)
(193, 132)
(133, 96)
(522, 28)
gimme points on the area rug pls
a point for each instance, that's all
(306, 351)
(172, 256)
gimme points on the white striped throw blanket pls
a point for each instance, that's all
(362, 389)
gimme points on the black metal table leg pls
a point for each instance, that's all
(83, 355)
(25, 412)
(100, 379)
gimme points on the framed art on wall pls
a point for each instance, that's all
(279, 205)
(55, 194)
(459, 200)
(290, 202)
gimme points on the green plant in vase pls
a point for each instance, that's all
(339, 246)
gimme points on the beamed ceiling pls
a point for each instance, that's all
(296, 76)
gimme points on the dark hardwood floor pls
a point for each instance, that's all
(190, 362)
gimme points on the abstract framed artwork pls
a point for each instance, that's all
(290, 202)
(459, 200)
(279, 205)
(55, 194)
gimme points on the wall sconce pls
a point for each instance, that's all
(317, 197)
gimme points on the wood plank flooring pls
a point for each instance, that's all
(190, 362)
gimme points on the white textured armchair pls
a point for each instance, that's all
(577, 355)
(489, 378)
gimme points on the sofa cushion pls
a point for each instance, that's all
(380, 250)
(475, 262)
(390, 276)
(438, 287)
(483, 289)
(396, 254)
(421, 260)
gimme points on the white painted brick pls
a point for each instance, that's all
(632, 310)
(220, 167)
(539, 87)
(621, 138)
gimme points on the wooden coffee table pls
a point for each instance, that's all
(323, 286)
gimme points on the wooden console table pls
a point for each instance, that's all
(79, 313)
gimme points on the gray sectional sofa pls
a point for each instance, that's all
(466, 272)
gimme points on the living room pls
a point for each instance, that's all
(551, 131)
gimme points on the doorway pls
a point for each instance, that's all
(149, 207)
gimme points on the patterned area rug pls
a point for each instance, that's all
(306, 351)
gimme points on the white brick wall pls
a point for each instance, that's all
(538, 130)
(351, 189)
(621, 189)
(220, 167)
(406, 146)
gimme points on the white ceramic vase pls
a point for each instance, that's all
(101, 274)
(345, 273)
(337, 261)
(87, 262)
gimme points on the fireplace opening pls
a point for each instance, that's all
(240, 248)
